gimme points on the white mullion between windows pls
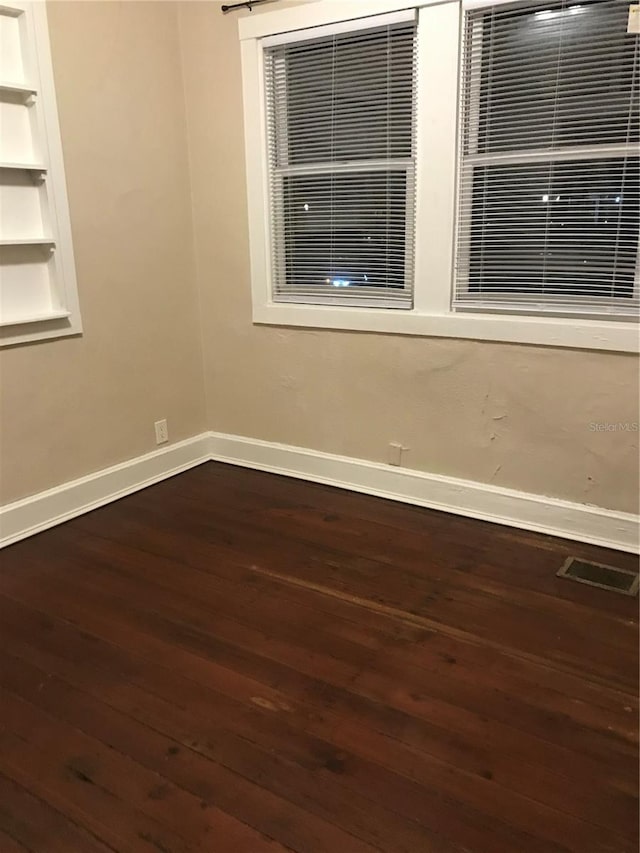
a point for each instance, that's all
(437, 98)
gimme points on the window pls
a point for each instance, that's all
(342, 163)
(549, 215)
(37, 278)
(473, 164)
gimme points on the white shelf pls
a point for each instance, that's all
(29, 241)
(31, 167)
(38, 297)
(36, 318)
(19, 88)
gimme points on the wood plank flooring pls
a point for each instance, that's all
(235, 662)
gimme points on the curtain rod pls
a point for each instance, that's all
(249, 4)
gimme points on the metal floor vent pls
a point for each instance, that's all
(605, 577)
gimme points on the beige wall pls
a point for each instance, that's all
(516, 416)
(76, 405)
(512, 415)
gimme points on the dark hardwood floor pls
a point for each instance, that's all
(235, 662)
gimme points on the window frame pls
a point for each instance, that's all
(440, 28)
(404, 165)
(515, 302)
(64, 320)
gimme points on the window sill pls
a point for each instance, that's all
(618, 336)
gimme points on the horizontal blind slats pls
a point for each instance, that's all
(341, 140)
(549, 203)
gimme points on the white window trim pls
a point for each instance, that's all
(437, 105)
(39, 71)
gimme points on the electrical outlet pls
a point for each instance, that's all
(162, 431)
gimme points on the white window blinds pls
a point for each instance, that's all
(549, 216)
(341, 163)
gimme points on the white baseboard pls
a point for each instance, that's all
(582, 522)
(46, 509)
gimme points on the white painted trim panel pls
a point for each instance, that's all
(581, 522)
(436, 116)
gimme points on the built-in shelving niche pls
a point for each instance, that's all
(33, 296)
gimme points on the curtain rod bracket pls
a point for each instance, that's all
(248, 4)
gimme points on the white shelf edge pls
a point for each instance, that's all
(36, 318)
(20, 88)
(10, 11)
(29, 241)
(29, 167)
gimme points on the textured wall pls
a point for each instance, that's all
(516, 416)
(75, 405)
(512, 415)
